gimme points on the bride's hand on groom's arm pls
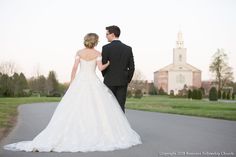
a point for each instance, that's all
(101, 66)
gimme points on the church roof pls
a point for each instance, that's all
(194, 68)
(179, 67)
(165, 68)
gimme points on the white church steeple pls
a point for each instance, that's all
(179, 53)
(180, 41)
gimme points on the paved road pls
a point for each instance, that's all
(163, 135)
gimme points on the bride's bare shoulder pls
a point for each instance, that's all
(98, 53)
(80, 51)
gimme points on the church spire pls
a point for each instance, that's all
(180, 41)
(179, 53)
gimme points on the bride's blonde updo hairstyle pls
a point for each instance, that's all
(91, 40)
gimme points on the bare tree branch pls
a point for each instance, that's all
(8, 68)
(220, 68)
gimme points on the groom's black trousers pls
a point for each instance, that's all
(120, 94)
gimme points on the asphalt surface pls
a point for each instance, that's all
(163, 135)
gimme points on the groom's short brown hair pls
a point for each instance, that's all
(114, 29)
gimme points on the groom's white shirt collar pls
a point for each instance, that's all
(116, 39)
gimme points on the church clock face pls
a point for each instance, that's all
(180, 79)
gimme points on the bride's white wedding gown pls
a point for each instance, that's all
(88, 118)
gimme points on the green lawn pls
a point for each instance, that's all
(202, 108)
(8, 110)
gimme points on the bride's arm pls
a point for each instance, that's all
(101, 66)
(74, 69)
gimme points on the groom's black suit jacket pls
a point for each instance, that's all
(121, 68)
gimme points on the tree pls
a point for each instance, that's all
(184, 91)
(8, 68)
(233, 96)
(63, 87)
(138, 93)
(0, 84)
(52, 84)
(38, 85)
(15, 81)
(219, 94)
(42, 83)
(138, 75)
(220, 68)
(199, 94)
(213, 94)
(23, 85)
(228, 95)
(203, 91)
(161, 91)
(233, 85)
(194, 94)
(189, 94)
(137, 81)
(6, 83)
(129, 94)
(152, 89)
(224, 95)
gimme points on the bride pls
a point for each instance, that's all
(88, 118)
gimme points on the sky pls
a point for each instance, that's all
(43, 35)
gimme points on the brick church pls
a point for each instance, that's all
(175, 76)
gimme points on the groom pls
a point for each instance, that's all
(121, 69)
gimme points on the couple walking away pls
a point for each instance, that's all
(90, 116)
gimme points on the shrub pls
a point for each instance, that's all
(189, 94)
(152, 90)
(202, 91)
(224, 95)
(54, 94)
(213, 94)
(219, 94)
(228, 95)
(199, 94)
(194, 94)
(233, 96)
(171, 92)
(138, 94)
(161, 91)
(129, 94)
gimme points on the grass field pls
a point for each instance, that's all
(8, 110)
(202, 108)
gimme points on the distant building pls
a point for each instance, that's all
(174, 76)
(145, 86)
(206, 85)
